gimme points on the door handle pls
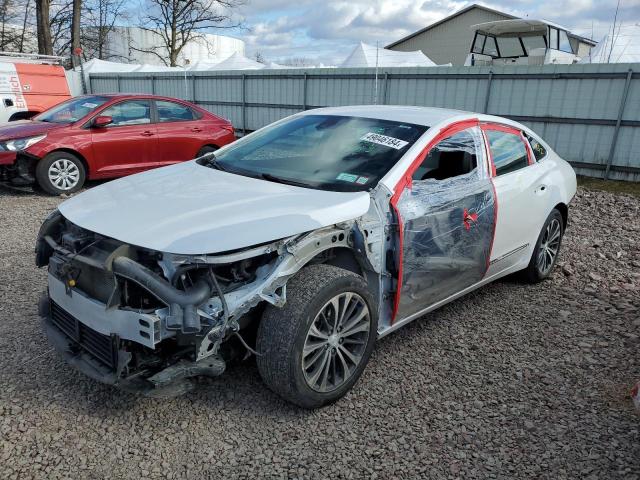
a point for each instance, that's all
(196, 129)
(147, 133)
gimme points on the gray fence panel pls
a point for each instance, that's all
(575, 108)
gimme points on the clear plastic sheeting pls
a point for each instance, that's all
(448, 228)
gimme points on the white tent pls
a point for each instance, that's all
(275, 66)
(623, 46)
(102, 66)
(237, 61)
(157, 68)
(365, 56)
(204, 65)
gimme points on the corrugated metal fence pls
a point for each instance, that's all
(590, 114)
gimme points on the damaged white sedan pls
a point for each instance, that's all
(301, 243)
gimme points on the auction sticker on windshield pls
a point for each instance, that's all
(384, 140)
(347, 177)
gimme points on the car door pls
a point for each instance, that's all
(181, 133)
(446, 222)
(129, 143)
(521, 195)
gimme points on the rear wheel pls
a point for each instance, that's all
(60, 172)
(315, 348)
(546, 250)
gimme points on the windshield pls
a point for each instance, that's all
(322, 151)
(72, 110)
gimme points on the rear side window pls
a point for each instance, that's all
(539, 152)
(173, 112)
(507, 150)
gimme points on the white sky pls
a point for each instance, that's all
(327, 30)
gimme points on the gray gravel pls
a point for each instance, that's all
(511, 381)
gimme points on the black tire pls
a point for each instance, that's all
(283, 331)
(206, 149)
(534, 273)
(77, 173)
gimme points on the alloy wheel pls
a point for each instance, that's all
(336, 342)
(64, 174)
(549, 247)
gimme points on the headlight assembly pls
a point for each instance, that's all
(18, 144)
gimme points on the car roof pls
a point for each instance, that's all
(427, 116)
(135, 95)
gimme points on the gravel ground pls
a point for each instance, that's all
(511, 381)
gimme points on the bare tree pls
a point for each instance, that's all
(297, 62)
(178, 22)
(259, 57)
(61, 14)
(75, 30)
(45, 43)
(27, 15)
(100, 21)
(14, 15)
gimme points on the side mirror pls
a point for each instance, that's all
(102, 121)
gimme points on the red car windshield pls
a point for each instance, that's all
(72, 110)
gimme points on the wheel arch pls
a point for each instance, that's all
(341, 257)
(564, 211)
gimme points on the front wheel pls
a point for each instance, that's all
(60, 172)
(546, 250)
(314, 349)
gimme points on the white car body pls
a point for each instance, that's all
(200, 215)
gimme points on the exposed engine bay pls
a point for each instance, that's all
(149, 321)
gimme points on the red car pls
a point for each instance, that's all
(106, 136)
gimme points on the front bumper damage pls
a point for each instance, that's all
(18, 169)
(190, 309)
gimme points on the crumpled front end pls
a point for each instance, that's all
(150, 321)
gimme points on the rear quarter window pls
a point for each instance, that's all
(539, 152)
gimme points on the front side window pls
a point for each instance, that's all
(173, 112)
(508, 151)
(452, 157)
(321, 151)
(130, 112)
(72, 110)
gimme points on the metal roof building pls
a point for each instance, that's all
(448, 40)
